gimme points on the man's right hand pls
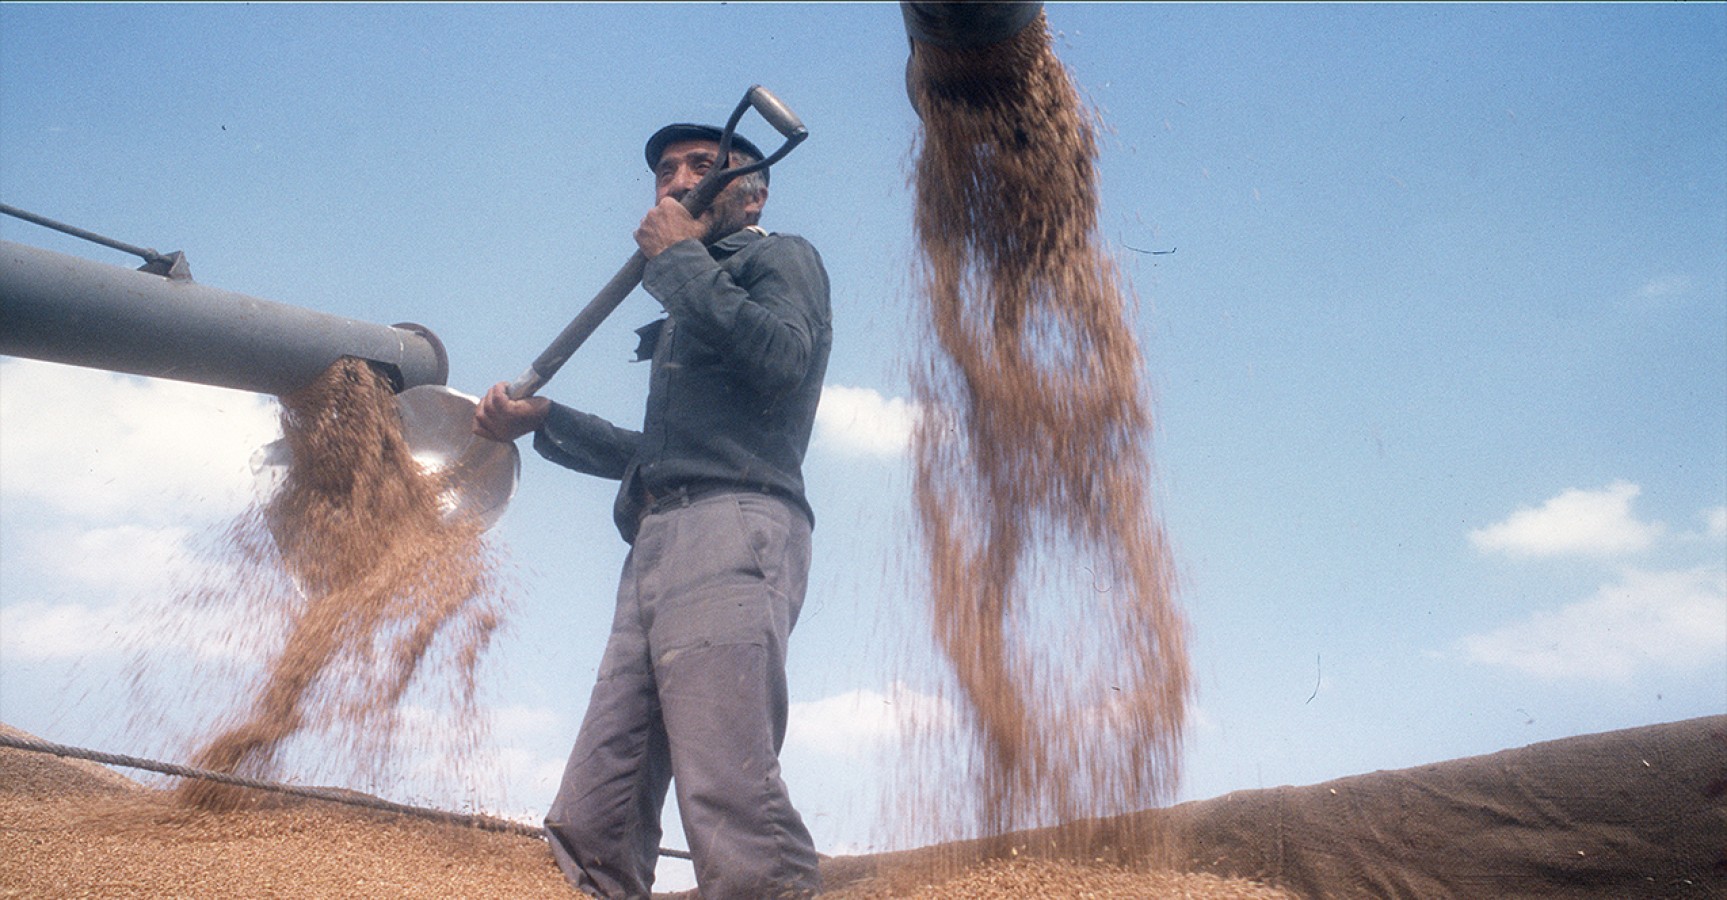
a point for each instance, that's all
(502, 419)
(669, 223)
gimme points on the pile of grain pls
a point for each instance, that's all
(357, 578)
(30, 775)
(69, 828)
(66, 834)
(1050, 577)
(1002, 879)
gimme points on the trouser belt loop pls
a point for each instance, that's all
(676, 498)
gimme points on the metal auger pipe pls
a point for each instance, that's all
(66, 309)
(966, 24)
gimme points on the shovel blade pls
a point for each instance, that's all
(479, 474)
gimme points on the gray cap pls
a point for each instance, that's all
(685, 131)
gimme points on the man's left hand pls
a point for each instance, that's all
(501, 418)
(667, 224)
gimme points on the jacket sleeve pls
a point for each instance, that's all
(585, 443)
(764, 321)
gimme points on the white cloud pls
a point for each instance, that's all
(532, 780)
(858, 723)
(519, 721)
(125, 560)
(1201, 720)
(99, 445)
(120, 472)
(1577, 522)
(861, 421)
(1661, 619)
(1665, 286)
(75, 630)
(1714, 526)
(44, 631)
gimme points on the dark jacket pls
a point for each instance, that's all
(736, 373)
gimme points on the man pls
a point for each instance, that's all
(691, 689)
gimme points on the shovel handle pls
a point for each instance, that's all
(696, 201)
(580, 328)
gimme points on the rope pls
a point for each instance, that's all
(482, 822)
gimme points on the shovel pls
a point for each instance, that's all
(479, 473)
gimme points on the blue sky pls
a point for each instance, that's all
(1440, 354)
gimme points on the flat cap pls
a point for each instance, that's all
(686, 131)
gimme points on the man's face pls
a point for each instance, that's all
(683, 164)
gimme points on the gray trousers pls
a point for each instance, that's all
(692, 692)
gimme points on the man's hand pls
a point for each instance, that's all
(502, 419)
(667, 224)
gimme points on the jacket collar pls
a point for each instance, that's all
(737, 240)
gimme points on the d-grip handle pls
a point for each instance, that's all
(776, 113)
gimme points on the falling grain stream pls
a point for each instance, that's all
(372, 578)
(1051, 590)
